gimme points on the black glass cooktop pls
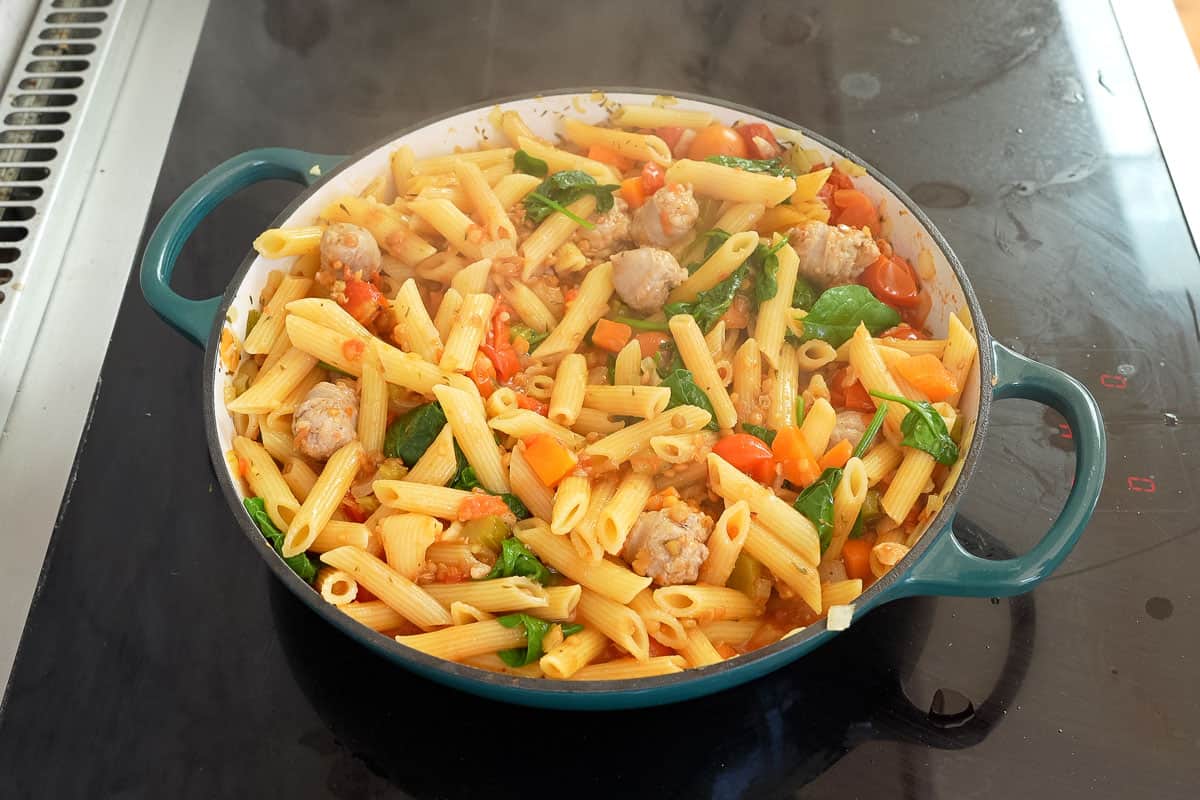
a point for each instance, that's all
(162, 660)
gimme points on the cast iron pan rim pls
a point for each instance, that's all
(647, 686)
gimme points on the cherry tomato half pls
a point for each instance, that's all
(717, 140)
(767, 148)
(749, 454)
(363, 299)
(892, 281)
(904, 331)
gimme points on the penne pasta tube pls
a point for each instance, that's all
(466, 419)
(629, 401)
(401, 164)
(771, 325)
(881, 460)
(398, 592)
(702, 602)
(561, 602)
(582, 314)
(272, 386)
(649, 117)
(959, 355)
(605, 577)
(782, 411)
(473, 278)
(420, 498)
(735, 632)
(372, 405)
(583, 534)
(725, 543)
(488, 208)
(529, 307)
(627, 370)
(454, 226)
(270, 325)
(339, 533)
(622, 511)
(553, 233)
(284, 242)
(634, 146)
(299, 477)
(875, 377)
(727, 183)
(819, 420)
(495, 595)
(662, 627)
(266, 482)
(323, 500)
(719, 266)
(570, 503)
(524, 423)
(573, 654)
(567, 396)
(683, 448)
(336, 587)
(417, 330)
(592, 421)
(747, 379)
(385, 224)
(480, 158)
(527, 486)
(463, 641)
(375, 614)
(801, 578)
(447, 313)
(617, 621)
(511, 189)
(699, 650)
(792, 527)
(408, 370)
(405, 539)
(619, 446)
(438, 465)
(840, 593)
(848, 498)
(696, 357)
(558, 160)
(467, 334)
(629, 668)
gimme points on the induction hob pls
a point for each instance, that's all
(161, 659)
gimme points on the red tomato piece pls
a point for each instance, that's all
(904, 331)
(752, 132)
(504, 360)
(748, 454)
(856, 210)
(654, 177)
(669, 134)
(892, 281)
(532, 404)
(363, 299)
(717, 140)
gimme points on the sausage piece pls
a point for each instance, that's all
(666, 217)
(832, 255)
(349, 251)
(644, 277)
(326, 420)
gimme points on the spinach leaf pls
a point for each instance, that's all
(300, 563)
(564, 188)
(804, 295)
(870, 511)
(766, 434)
(644, 324)
(535, 630)
(709, 306)
(667, 360)
(924, 429)
(466, 480)
(871, 430)
(816, 503)
(799, 411)
(765, 263)
(528, 334)
(685, 392)
(516, 506)
(523, 162)
(771, 166)
(517, 559)
(840, 309)
(411, 434)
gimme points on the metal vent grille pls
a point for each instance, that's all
(53, 116)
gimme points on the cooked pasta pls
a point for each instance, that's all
(494, 409)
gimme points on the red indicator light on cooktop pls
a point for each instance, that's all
(1064, 430)
(1113, 381)
(1145, 485)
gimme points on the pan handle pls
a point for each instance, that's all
(948, 569)
(194, 318)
